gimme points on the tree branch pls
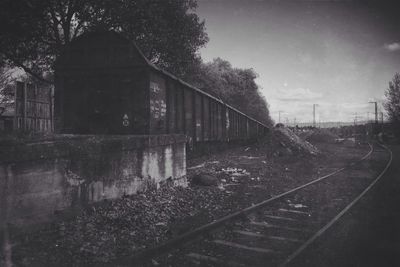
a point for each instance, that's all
(35, 75)
(67, 23)
(29, 71)
(76, 30)
(61, 11)
(54, 27)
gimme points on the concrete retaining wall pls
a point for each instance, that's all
(38, 179)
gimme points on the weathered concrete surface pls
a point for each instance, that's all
(39, 179)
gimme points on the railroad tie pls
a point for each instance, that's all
(295, 212)
(200, 257)
(279, 238)
(280, 218)
(240, 246)
(267, 225)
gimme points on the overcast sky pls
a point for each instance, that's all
(339, 55)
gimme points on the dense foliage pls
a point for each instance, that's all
(6, 91)
(235, 86)
(32, 33)
(392, 104)
(169, 33)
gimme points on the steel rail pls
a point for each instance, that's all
(339, 215)
(191, 235)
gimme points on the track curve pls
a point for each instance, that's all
(291, 257)
(146, 256)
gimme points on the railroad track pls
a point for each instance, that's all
(273, 232)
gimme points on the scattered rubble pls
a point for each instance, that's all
(235, 171)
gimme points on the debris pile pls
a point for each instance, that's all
(235, 171)
(304, 134)
(233, 175)
(283, 141)
(322, 136)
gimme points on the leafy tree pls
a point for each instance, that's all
(392, 103)
(6, 89)
(33, 33)
(235, 86)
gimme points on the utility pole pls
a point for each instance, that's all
(280, 111)
(355, 119)
(355, 125)
(314, 123)
(376, 110)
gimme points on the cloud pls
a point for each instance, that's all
(298, 94)
(392, 47)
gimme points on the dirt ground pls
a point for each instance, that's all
(369, 235)
(119, 228)
(321, 202)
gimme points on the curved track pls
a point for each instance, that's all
(292, 256)
(276, 230)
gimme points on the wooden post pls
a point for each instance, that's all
(179, 109)
(168, 106)
(194, 127)
(176, 108)
(24, 101)
(210, 134)
(184, 126)
(15, 107)
(202, 116)
(35, 104)
(51, 108)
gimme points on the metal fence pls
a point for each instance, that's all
(33, 107)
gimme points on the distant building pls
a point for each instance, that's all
(6, 118)
(27, 107)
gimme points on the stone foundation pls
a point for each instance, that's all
(39, 179)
